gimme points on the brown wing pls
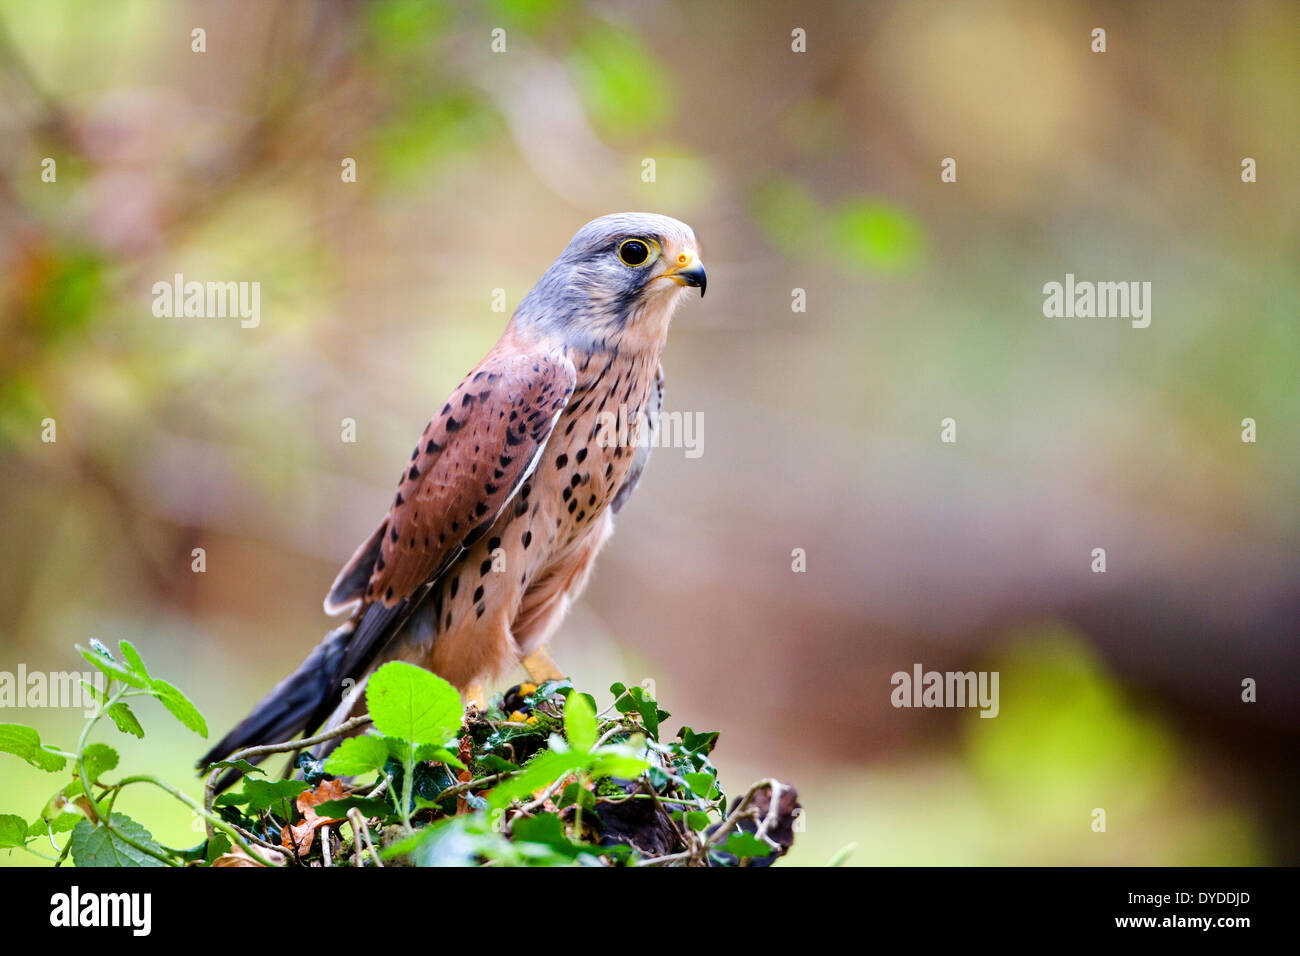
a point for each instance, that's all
(469, 463)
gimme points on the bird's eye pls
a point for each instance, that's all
(634, 252)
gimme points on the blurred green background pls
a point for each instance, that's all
(816, 171)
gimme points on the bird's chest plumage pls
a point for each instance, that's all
(560, 515)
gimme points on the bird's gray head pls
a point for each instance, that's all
(616, 272)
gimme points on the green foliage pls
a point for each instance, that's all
(126, 843)
(556, 782)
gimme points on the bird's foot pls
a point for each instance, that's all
(541, 666)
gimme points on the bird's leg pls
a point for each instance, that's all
(476, 695)
(541, 667)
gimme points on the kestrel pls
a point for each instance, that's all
(511, 490)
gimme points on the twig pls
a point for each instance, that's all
(359, 827)
(210, 787)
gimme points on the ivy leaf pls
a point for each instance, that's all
(701, 784)
(744, 845)
(13, 830)
(357, 755)
(98, 655)
(99, 758)
(261, 795)
(411, 703)
(25, 742)
(697, 820)
(494, 763)
(547, 830)
(179, 705)
(544, 769)
(580, 722)
(697, 743)
(369, 807)
(98, 846)
(242, 765)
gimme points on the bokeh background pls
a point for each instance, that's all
(817, 171)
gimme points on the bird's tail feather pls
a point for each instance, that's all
(290, 706)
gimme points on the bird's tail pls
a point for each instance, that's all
(290, 707)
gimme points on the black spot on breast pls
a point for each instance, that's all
(453, 425)
(573, 504)
(432, 447)
(528, 538)
(480, 509)
(561, 461)
(494, 543)
(478, 593)
(413, 473)
(485, 567)
(455, 585)
(392, 534)
(582, 455)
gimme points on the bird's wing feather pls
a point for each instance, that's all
(469, 463)
(472, 458)
(642, 455)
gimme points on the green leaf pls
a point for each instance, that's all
(616, 762)
(493, 763)
(242, 765)
(101, 658)
(697, 820)
(426, 752)
(99, 758)
(133, 659)
(745, 845)
(264, 794)
(546, 829)
(698, 743)
(94, 845)
(56, 823)
(25, 742)
(357, 755)
(121, 715)
(13, 830)
(544, 769)
(414, 704)
(580, 722)
(701, 784)
(369, 807)
(179, 705)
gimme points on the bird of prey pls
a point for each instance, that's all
(510, 491)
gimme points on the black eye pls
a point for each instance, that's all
(633, 252)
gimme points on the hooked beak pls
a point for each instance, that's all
(689, 270)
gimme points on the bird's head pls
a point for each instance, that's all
(618, 274)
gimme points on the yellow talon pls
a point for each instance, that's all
(527, 688)
(541, 667)
(518, 717)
